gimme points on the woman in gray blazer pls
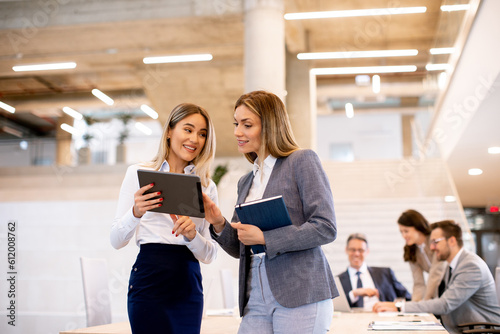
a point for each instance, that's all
(287, 288)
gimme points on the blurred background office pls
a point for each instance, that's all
(399, 98)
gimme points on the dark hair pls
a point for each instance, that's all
(412, 218)
(450, 229)
(357, 236)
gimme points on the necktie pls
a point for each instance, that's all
(359, 284)
(444, 283)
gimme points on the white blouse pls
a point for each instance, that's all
(155, 227)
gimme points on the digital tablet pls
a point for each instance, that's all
(181, 192)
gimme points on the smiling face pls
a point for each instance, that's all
(356, 251)
(411, 235)
(247, 130)
(440, 245)
(187, 139)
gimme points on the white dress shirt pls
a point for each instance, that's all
(154, 227)
(260, 178)
(367, 281)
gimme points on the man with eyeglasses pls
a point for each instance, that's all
(365, 285)
(468, 289)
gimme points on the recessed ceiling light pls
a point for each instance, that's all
(103, 97)
(5, 106)
(177, 59)
(355, 13)
(494, 150)
(363, 70)
(449, 199)
(357, 54)
(44, 67)
(475, 171)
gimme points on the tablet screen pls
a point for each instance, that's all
(181, 192)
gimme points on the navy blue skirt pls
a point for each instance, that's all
(165, 293)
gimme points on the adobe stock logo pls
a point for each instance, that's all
(31, 25)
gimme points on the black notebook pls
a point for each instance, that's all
(267, 214)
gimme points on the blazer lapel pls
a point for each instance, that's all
(245, 188)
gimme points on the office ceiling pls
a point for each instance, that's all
(108, 41)
(109, 50)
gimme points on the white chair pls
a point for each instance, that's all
(96, 291)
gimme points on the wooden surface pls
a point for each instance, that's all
(352, 323)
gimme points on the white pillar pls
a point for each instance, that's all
(265, 46)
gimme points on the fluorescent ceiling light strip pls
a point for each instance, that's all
(5, 106)
(437, 67)
(177, 59)
(44, 67)
(73, 113)
(144, 129)
(363, 70)
(69, 128)
(355, 13)
(357, 54)
(454, 8)
(441, 51)
(149, 111)
(12, 131)
(103, 97)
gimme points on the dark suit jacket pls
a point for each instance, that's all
(385, 281)
(297, 269)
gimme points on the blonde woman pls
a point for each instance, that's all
(165, 291)
(289, 287)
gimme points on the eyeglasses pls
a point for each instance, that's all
(435, 241)
(354, 250)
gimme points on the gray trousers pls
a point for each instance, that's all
(263, 314)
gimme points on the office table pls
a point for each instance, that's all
(352, 323)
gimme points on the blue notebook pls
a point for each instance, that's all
(267, 214)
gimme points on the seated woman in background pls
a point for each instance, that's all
(415, 230)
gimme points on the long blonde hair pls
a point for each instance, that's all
(277, 136)
(203, 161)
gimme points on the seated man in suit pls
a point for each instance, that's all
(372, 284)
(467, 293)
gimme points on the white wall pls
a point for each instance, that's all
(371, 136)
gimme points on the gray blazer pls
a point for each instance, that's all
(470, 296)
(297, 269)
